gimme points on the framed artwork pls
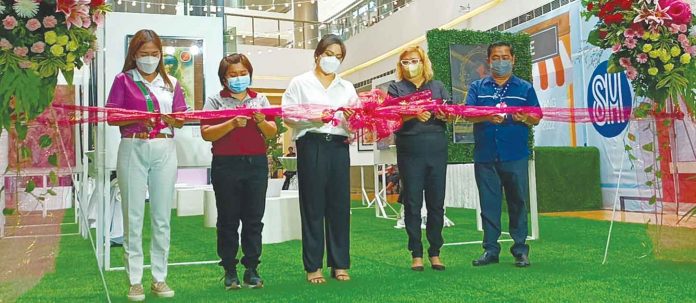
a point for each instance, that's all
(382, 84)
(463, 132)
(469, 63)
(366, 141)
(183, 59)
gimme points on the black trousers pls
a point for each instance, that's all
(323, 172)
(288, 177)
(240, 184)
(422, 161)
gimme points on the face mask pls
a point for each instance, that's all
(147, 64)
(501, 67)
(329, 64)
(414, 70)
(238, 84)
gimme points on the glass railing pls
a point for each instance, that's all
(270, 31)
(275, 32)
(363, 14)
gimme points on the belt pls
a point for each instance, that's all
(145, 136)
(326, 137)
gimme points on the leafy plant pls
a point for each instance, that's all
(275, 147)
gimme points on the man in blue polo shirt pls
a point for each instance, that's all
(501, 153)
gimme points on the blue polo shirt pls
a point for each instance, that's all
(506, 141)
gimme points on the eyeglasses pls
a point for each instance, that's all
(410, 61)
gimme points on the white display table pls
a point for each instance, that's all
(282, 218)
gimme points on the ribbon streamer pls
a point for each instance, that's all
(375, 112)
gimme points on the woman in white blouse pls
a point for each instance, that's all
(323, 163)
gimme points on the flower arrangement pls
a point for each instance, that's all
(652, 41)
(39, 38)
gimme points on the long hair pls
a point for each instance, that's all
(140, 38)
(427, 66)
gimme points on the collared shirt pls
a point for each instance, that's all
(307, 89)
(413, 126)
(245, 141)
(125, 94)
(506, 141)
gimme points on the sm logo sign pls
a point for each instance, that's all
(609, 100)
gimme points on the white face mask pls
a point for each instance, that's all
(147, 64)
(329, 64)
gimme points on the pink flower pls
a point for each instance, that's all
(679, 10)
(9, 23)
(25, 64)
(4, 44)
(631, 73)
(625, 62)
(89, 55)
(642, 58)
(616, 48)
(50, 22)
(691, 50)
(631, 43)
(629, 33)
(98, 19)
(674, 28)
(682, 38)
(33, 24)
(38, 47)
(79, 15)
(21, 51)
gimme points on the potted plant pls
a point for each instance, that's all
(274, 151)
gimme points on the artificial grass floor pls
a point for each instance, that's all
(566, 267)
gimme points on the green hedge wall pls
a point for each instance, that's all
(438, 51)
(568, 179)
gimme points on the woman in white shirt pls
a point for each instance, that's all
(323, 163)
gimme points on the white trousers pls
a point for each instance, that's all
(141, 165)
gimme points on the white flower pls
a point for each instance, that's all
(26, 8)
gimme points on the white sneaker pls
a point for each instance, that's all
(136, 293)
(162, 290)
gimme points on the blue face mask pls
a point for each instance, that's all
(501, 68)
(238, 84)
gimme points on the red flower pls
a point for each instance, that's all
(603, 34)
(590, 6)
(606, 9)
(614, 19)
(97, 3)
(64, 6)
(625, 4)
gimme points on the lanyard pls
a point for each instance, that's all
(146, 94)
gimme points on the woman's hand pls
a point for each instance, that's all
(239, 121)
(259, 117)
(347, 113)
(424, 116)
(171, 121)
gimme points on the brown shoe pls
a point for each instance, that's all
(162, 290)
(136, 293)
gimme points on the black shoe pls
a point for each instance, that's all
(232, 280)
(252, 278)
(522, 261)
(485, 259)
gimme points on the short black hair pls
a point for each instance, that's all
(326, 41)
(497, 44)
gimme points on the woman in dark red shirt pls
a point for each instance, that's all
(239, 170)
